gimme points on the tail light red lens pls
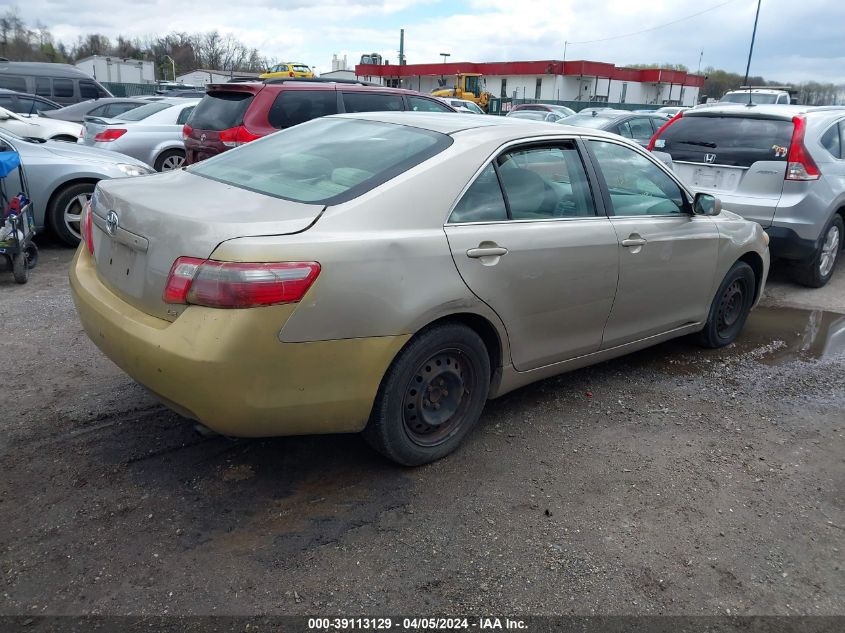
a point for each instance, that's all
(800, 165)
(291, 73)
(186, 131)
(662, 129)
(86, 230)
(238, 284)
(106, 136)
(237, 136)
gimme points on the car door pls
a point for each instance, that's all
(667, 255)
(530, 241)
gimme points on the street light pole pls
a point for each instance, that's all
(751, 50)
(445, 55)
(173, 65)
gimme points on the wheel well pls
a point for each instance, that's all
(841, 212)
(484, 329)
(756, 262)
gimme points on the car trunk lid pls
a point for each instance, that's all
(156, 223)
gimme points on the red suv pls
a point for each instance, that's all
(232, 114)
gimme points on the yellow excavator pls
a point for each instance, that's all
(469, 86)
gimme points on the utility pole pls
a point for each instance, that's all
(751, 50)
(698, 72)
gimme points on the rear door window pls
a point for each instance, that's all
(62, 87)
(726, 140)
(184, 114)
(293, 107)
(88, 90)
(371, 102)
(421, 104)
(220, 110)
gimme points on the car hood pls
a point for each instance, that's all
(90, 154)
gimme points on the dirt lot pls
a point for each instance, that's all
(673, 481)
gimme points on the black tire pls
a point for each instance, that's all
(407, 424)
(66, 230)
(19, 268)
(165, 159)
(64, 138)
(730, 307)
(31, 256)
(819, 270)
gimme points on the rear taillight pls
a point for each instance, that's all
(291, 73)
(800, 165)
(106, 136)
(238, 284)
(662, 129)
(186, 132)
(86, 230)
(236, 136)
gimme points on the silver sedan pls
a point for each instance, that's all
(152, 133)
(61, 178)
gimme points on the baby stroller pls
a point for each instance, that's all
(17, 224)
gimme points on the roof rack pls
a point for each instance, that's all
(319, 80)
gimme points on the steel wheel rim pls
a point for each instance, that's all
(830, 249)
(73, 213)
(731, 307)
(437, 397)
(174, 161)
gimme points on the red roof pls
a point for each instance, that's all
(544, 67)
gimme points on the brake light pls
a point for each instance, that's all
(238, 284)
(107, 136)
(663, 129)
(291, 74)
(86, 230)
(237, 136)
(799, 164)
(186, 131)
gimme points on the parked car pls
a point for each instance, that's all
(39, 127)
(62, 83)
(62, 177)
(780, 166)
(637, 126)
(289, 69)
(232, 114)
(757, 96)
(106, 108)
(560, 110)
(22, 103)
(536, 115)
(337, 227)
(462, 105)
(152, 133)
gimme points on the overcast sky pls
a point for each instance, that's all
(795, 40)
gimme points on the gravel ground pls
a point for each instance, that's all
(672, 481)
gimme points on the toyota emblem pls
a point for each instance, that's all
(111, 222)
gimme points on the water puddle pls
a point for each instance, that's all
(775, 335)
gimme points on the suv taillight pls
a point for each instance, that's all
(237, 136)
(214, 284)
(85, 228)
(662, 129)
(186, 132)
(799, 164)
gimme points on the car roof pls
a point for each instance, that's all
(766, 111)
(42, 69)
(448, 123)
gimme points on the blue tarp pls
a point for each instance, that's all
(9, 161)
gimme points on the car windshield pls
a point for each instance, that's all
(588, 120)
(755, 97)
(144, 111)
(324, 160)
(301, 69)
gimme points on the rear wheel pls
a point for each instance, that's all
(819, 271)
(19, 268)
(65, 211)
(730, 307)
(170, 160)
(431, 396)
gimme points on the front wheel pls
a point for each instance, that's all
(730, 307)
(431, 396)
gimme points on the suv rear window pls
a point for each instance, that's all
(293, 107)
(324, 161)
(371, 102)
(734, 141)
(220, 111)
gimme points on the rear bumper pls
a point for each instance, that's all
(787, 244)
(228, 369)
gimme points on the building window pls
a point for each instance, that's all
(504, 92)
(538, 87)
(624, 92)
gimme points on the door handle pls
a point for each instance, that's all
(487, 251)
(633, 241)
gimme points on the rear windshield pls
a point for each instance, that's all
(325, 160)
(754, 97)
(220, 111)
(588, 120)
(726, 140)
(142, 112)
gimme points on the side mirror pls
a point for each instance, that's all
(705, 204)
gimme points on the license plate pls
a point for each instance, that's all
(718, 178)
(123, 268)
